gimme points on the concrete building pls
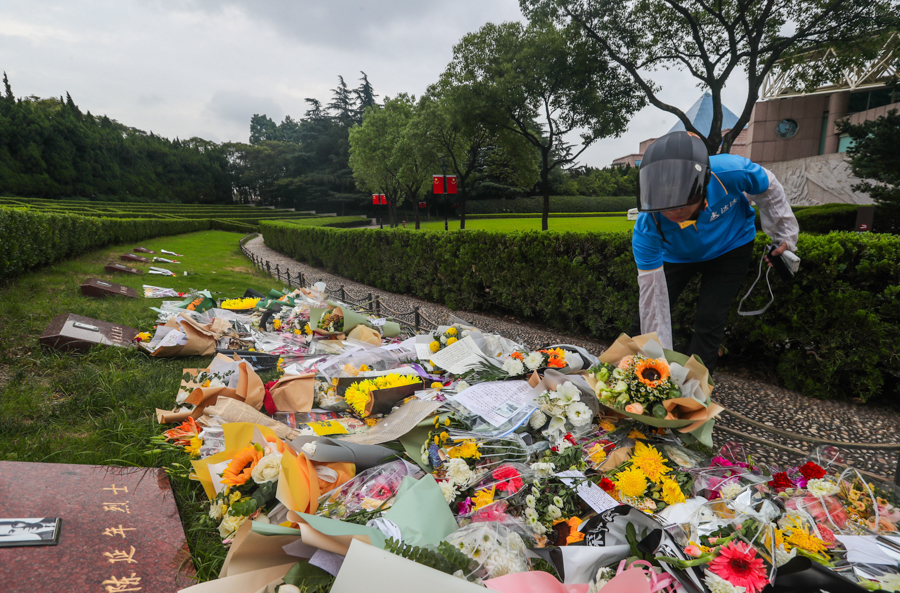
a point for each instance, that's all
(795, 134)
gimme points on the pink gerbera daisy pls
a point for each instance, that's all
(738, 564)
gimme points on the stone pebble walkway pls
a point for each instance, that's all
(769, 404)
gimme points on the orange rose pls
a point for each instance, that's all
(635, 408)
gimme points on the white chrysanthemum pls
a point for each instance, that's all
(462, 386)
(426, 460)
(557, 501)
(567, 393)
(822, 487)
(466, 332)
(578, 414)
(553, 512)
(535, 525)
(730, 490)
(543, 469)
(538, 420)
(448, 491)
(530, 501)
(534, 360)
(782, 557)
(513, 367)
(309, 449)
(501, 563)
(458, 472)
(717, 584)
(530, 513)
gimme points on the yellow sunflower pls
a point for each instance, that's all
(652, 371)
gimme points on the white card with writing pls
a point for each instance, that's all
(378, 322)
(423, 348)
(589, 492)
(495, 401)
(459, 357)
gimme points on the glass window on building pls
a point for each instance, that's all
(845, 143)
(865, 100)
(786, 128)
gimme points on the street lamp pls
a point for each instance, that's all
(446, 215)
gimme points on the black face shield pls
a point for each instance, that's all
(674, 173)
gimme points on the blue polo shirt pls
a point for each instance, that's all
(725, 224)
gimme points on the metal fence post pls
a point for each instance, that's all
(378, 305)
(288, 275)
(418, 318)
(277, 273)
(268, 267)
(343, 293)
(369, 306)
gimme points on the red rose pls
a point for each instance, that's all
(607, 485)
(811, 471)
(781, 481)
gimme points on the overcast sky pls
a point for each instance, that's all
(204, 67)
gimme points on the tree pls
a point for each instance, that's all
(713, 39)
(468, 144)
(522, 76)
(874, 157)
(376, 162)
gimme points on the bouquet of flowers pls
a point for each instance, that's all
(497, 549)
(661, 388)
(378, 395)
(240, 305)
(647, 480)
(370, 492)
(448, 337)
(521, 361)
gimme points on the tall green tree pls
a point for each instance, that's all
(544, 83)
(712, 41)
(874, 157)
(470, 146)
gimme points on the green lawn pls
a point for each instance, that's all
(98, 408)
(578, 225)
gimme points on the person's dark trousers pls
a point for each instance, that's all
(720, 280)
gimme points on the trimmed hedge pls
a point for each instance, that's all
(535, 205)
(233, 226)
(552, 215)
(324, 221)
(32, 238)
(834, 333)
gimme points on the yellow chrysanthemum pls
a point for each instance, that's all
(636, 434)
(357, 396)
(276, 324)
(467, 450)
(308, 330)
(144, 336)
(297, 332)
(434, 346)
(437, 385)
(597, 454)
(193, 449)
(451, 332)
(805, 541)
(650, 461)
(607, 425)
(451, 341)
(631, 482)
(671, 492)
(484, 497)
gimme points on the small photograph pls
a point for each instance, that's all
(40, 531)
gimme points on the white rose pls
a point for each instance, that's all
(448, 491)
(443, 339)
(538, 420)
(461, 386)
(513, 367)
(267, 469)
(229, 525)
(309, 449)
(534, 360)
(578, 414)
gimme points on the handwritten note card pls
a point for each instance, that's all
(495, 401)
(459, 357)
(589, 492)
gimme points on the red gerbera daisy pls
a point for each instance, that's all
(738, 564)
(781, 481)
(509, 480)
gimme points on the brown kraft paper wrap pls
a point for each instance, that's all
(250, 390)
(294, 393)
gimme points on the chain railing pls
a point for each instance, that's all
(415, 320)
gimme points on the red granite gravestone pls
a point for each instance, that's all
(99, 289)
(120, 530)
(120, 269)
(143, 250)
(133, 257)
(74, 332)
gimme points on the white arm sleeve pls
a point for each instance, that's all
(654, 303)
(775, 214)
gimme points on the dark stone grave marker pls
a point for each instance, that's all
(120, 269)
(99, 289)
(120, 529)
(74, 332)
(143, 250)
(133, 257)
